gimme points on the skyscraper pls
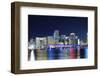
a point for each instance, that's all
(50, 40)
(72, 39)
(56, 36)
(63, 38)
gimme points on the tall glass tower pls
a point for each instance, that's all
(72, 39)
(56, 36)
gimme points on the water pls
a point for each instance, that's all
(57, 53)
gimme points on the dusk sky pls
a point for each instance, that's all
(41, 26)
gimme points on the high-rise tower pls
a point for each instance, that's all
(56, 36)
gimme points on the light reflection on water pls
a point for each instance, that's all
(54, 52)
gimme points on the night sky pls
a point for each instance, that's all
(40, 26)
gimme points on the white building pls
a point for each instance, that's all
(41, 42)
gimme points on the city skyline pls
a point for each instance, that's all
(40, 26)
(57, 47)
(58, 41)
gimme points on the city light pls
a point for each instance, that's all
(58, 46)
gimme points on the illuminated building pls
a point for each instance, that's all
(41, 42)
(67, 40)
(63, 38)
(56, 36)
(72, 39)
(50, 40)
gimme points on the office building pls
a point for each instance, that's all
(50, 40)
(56, 36)
(72, 39)
(41, 42)
(63, 38)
